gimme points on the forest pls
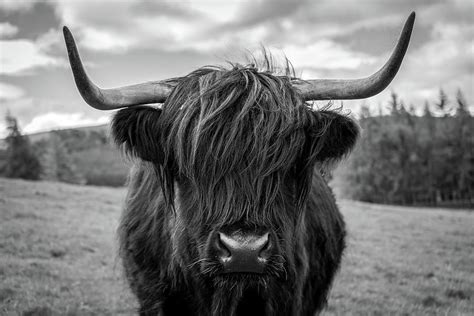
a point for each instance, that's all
(408, 159)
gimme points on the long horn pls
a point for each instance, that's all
(110, 99)
(343, 89)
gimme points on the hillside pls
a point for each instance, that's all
(86, 129)
(57, 256)
(89, 150)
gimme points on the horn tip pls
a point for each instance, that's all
(67, 34)
(408, 27)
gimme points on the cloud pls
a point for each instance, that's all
(164, 8)
(168, 26)
(94, 39)
(55, 120)
(7, 30)
(216, 27)
(266, 10)
(202, 26)
(217, 12)
(51, 41)
(19, 56)
(326, 54)
(16, 5)
(444, 61)
(9, 92)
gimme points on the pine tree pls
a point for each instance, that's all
(464, 143)
(427, 143)
(21, 161)
(394, 103)
(427, 110)
(462, 107)
(364, 111)
(379, 109)
(443, 103)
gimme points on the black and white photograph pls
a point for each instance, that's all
(236, 158)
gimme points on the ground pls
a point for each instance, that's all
(58, 256)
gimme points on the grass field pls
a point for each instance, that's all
(57, 256)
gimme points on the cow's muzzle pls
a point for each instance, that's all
(243, 252)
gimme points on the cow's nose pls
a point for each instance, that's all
(243, 253)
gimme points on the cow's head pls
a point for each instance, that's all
(235, 151)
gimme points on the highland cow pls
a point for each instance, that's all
(227, 211)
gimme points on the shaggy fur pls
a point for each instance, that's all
(238, 149)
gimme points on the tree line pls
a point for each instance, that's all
(79, 156)
(408, 159)
(47, 159)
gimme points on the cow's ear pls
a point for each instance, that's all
(333, 135)
(136, 130)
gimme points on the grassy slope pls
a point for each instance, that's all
(57, 256)
(57, 249)
(405, 261)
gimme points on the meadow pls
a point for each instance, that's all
(58, 256)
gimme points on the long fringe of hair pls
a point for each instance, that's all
(238, 130)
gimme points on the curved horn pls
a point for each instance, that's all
(110, 99)
(341, 89)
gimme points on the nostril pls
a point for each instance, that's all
(222, 251)
(265, 251)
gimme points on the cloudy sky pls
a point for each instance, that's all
(125, 42)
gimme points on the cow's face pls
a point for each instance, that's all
(235, 151)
